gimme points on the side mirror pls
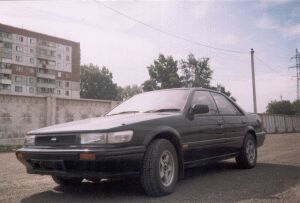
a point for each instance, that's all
(199, 109)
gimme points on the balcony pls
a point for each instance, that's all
(46, 75)
(5, 71)
(45, 56)
(5, 39)
(5, 81)
(46, 85)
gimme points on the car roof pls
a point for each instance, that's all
(193, 89)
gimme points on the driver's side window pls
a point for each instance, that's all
(204, 98)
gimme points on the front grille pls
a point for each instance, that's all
(56, 140)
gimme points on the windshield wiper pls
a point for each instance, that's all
(162, 110)
(123, 112)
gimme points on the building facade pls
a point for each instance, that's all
(36, 64)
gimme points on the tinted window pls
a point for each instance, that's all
(224, 105)
(204, 98)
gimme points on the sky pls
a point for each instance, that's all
(126, 36)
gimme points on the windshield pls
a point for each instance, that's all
(155, 101)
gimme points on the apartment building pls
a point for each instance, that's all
(32, 63)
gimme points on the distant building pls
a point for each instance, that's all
(37, 64)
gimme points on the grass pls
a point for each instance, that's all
(9, 148)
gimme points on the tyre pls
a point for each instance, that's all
(160, 168)
(248, 154)
(65, 181)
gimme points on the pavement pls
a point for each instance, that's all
(276, 178)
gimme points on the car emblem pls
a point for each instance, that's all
(53, 139)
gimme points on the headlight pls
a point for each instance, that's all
(119, 137)
(93, 138)
(106, 138)
(29, 140)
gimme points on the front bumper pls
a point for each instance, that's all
(261, 136)
(68, 162)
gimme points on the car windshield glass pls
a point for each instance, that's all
(156, 101)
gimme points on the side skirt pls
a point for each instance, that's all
(200, 162)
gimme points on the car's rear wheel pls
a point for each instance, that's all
(66, 181)
(248, 154)
(160, 168)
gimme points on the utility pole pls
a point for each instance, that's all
(253, 81)
(297, 58)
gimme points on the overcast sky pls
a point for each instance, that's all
(127, 47)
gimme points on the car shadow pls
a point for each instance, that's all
(219, 182)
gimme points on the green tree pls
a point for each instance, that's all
(222, 89)
(130, 91)
(163, 74)
(296, 106)
(195, 72)
(97, 83)
(281, 107)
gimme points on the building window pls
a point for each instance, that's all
(31, 70)
(7, 45)
(6, 87)
(67, 93)
(5, 35)
(58, 92)
(59, 74)
(18, 89)
(19, 69)
(19, 58)
(18, 78)
(31, 80)
(5, 65)
(52, 53)
(32, 60)
(19, 48)
(67, 84)
(59, 56)
(67, 58)
(31, 41)
(20, 38)
(67, 49)
(31, 89)
(31, 51)
(68, 75)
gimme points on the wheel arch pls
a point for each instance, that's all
(174, 137)
(252, 132)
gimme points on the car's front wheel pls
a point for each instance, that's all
(66, 181)
(160, 168)
(248, 154)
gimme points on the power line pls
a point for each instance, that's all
(169, 33)
(268, 66)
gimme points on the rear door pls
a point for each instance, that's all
(234, 123)
(204, 131)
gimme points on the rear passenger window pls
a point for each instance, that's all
(204, 98)
(224, 105)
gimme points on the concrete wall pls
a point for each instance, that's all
(280, 123)
(20, 114)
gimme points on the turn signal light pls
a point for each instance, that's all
(87, 156)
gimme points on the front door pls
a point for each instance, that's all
(204, 132)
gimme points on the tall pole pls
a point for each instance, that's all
(253, 82)
(297, 58)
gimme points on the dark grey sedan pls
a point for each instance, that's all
(153, 135)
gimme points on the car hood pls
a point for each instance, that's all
(101, 123)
